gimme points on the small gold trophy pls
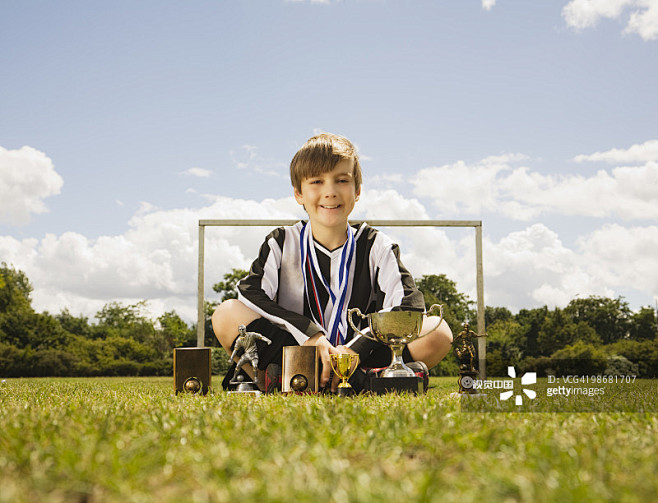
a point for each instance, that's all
(344, 365)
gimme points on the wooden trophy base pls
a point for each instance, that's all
(192, 364)
(381, 385)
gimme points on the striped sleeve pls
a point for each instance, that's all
(396, 283)
(260, 290)
(394, 288)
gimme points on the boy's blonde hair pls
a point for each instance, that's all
(319, 155)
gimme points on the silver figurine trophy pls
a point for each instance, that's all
(396, 329)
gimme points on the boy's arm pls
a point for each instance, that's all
(260, 288)
(394, 288)
(397, 288)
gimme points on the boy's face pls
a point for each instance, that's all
(329, 198)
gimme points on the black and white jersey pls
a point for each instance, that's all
(274, 287)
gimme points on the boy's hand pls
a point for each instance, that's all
(324, 350)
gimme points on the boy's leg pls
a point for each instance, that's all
(432, 347)
(230, 315)
(226, 319)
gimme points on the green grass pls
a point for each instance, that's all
(132, 440)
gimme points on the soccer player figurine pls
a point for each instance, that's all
(465, 351)
(246, 341)
(464, 348)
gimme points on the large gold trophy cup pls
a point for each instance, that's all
(396, 329)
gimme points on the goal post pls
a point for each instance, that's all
(479, 269)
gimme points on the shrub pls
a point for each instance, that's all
(579, 359)
(620, 366)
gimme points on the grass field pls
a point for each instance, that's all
(132, 440)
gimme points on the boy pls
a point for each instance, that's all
(308, 275)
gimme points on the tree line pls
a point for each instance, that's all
(589, 335)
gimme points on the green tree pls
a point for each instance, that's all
(15, 289)
(175, 331)
(558, 331)
(227, 289)
(504, 346)
(78, 325)
(643, 325)
(531, 321)
(643, 353)
(494, 314)
(579, 358)
(116, 319)
(17, 317)
(457, 307)
(610, 318)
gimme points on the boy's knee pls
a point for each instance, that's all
(226, 319)
(223, 321)
(445, 333)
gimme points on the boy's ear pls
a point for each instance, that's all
(298, 197)
(358, 194)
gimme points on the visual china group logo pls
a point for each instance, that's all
(526, 379)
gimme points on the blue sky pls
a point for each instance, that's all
(123, 123)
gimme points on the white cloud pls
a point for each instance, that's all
(199, 172)
(156, 259)
(623, 256)
(460, 186)
(493, 185)
(388, 205)
(642, 20)
(581, 14)
(248, 158)
(27, 177)
(488, 4)
(641, 152)
(533, 266)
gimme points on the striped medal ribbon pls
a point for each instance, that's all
(336, 325)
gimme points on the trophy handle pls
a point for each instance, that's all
(433, 307)
(356, 310)
(331, 364)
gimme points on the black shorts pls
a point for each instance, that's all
(372, 354)
(269, 353)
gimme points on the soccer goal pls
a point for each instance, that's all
(476, 224)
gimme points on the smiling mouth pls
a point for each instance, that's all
(330, 207)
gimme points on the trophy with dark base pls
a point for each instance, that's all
(396, 329)
(465, 351)
(245, 348)
(344, 365)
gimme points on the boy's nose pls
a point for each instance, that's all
(329, 190)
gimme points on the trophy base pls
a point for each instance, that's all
(346, 391)
(381, 385)
(466, 381)
(244, 388)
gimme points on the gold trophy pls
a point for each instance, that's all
(344, 365)
(396, 329)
